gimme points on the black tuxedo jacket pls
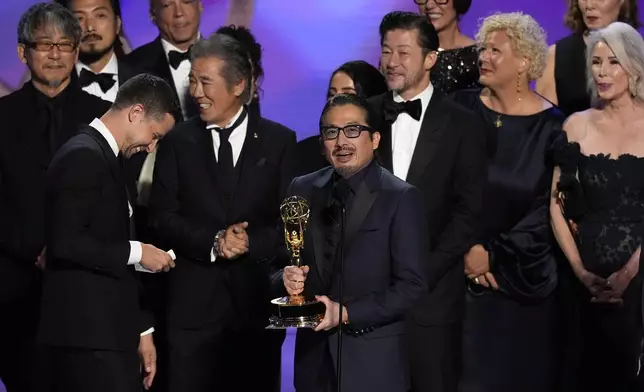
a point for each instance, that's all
(151, 58)
(385, 273)
(24, 158)
(186, 213)
(449, 167)
(91, 296)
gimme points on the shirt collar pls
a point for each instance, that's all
(355, 180)
(167, 46)
(230, 123)
(102, 129)
(424, 96)
(112, 67)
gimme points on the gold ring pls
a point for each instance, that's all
(476, 280)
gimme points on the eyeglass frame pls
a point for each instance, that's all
(361, 128)
(438, 2)
(34, 46)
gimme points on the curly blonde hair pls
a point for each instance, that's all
(527, 38)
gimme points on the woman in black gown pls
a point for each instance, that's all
(600, 176)
(354, 77)
(564, 80)
(509, 341)
(456, 67)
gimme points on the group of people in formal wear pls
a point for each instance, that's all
(466, 231)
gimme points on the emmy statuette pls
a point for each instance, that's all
(295, 311)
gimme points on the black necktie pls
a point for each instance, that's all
(176, 58)
(225, 162)
(393, 109)
(105, 81)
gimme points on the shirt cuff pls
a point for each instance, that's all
(213, 255)
(147, 332)
(136, 252)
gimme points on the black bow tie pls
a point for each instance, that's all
(105, 81)
(393, 109)
(176, 58)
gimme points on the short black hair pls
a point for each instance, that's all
(399, 20)
(116, 5)
(371, 118)
(153, 93)
(248, 41)
(236, 62)
(461, 6)
(367, 80)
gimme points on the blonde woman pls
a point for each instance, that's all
(597, 210)
(511, 269)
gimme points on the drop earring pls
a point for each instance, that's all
(519, 86)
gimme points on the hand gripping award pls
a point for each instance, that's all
(301, 310)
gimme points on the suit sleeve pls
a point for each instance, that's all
(281, 257)
(11, 242)
(173, 230)
(264, 241)
(76, 184)
(409, 253)
(470, 176)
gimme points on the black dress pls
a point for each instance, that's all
(509, 335)
(456, 69)
(609, 207)
(570, 74)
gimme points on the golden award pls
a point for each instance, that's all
(296, 311)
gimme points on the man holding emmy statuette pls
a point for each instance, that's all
(218, 182)
(362, 243)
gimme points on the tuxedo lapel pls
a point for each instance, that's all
(125, 72)
(249, 157)
(108, 153)
(384, 151)
(161, 67)
(364, 198)
(318, 203)
(206, 147)
(431, 131)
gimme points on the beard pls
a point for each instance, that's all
(95, 54)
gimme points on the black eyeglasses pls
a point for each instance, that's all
(66, 47)
(350, 131)
(439, 2)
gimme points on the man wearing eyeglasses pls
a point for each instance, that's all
(385, 251)
(37, 120)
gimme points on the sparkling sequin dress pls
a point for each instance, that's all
(456, 69)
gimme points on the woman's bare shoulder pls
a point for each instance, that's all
(576, 125)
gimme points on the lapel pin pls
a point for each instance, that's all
(255, 135)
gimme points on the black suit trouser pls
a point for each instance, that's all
(215, 358)
(18, 356)
(435, 356)
(83, 370)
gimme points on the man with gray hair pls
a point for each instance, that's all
(37, 119)
(218, 183)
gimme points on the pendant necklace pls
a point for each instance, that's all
(498, 123)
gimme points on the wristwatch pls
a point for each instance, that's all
(215, 245)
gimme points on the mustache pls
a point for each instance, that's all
(92, 36)
(341, 149)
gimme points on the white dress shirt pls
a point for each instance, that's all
(236, 139)
(112, 67)
(180, 76)
(136, 251)
(404, 134)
